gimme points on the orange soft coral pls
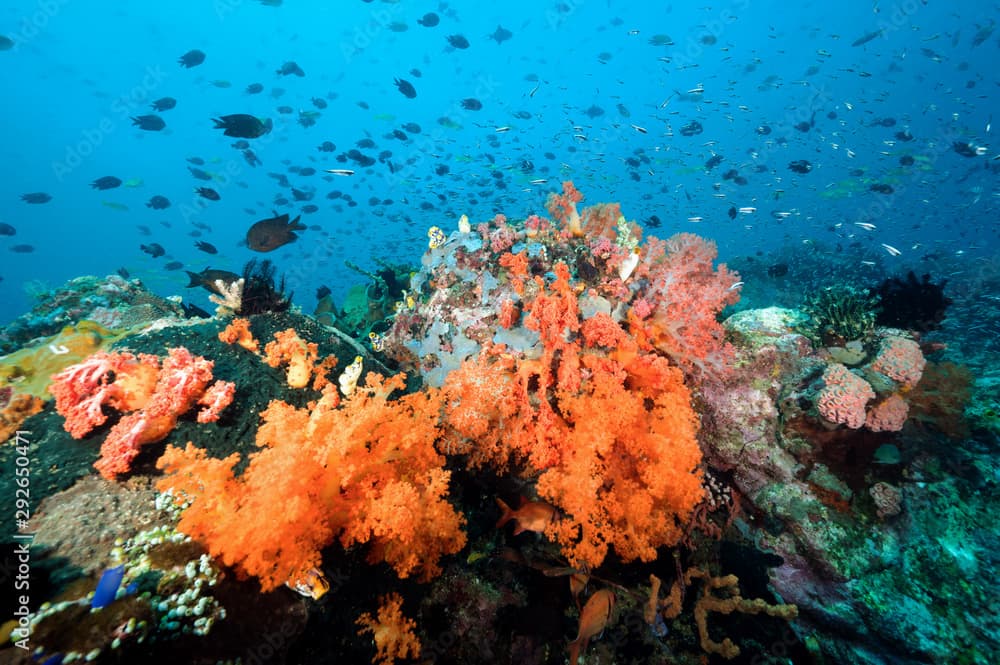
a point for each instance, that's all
(367, 471)
(562, 207)
(607, 426)
(300, 356)
(392, 631)
(238, 332)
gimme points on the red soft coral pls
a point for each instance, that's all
(152, 397)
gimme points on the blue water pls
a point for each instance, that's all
(79, 70)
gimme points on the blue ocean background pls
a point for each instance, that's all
(78, 71)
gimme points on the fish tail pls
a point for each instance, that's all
(296, 225)
(508, 514)
(574, 651)
(195, 279)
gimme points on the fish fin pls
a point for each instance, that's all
(296, 225)
(508, 514)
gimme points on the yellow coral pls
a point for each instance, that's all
(28, 370)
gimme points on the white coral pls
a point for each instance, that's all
(230, 297)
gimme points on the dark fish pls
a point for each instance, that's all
(800, 166)
(777, 270)
(864, 39)
(198, 161)
(983, 33)
(290, 68)
(123, 273)
(472, 104)
(964, 149)
(153, 249)
(158, 203)
(412, 127)
(310, 208)
(501, 34)
(623, 110)
(36, 197)
(429, 20)
(713, 161)
(173, 265)
(200, 174)
(164, 104)
(144, 230)
(207, 279)
(458, 41)
(881, 188)
(323, 292)
(106, 182)
(730, 174)
(653, 222)
(239, 145)
(763, 130)
(208, 248)
(6, 43)
(307, 171)
(272, 233)
(806, 126)
(365, 143)
(150, 123)
(692, 128)
(285, 110)
(208, 193)
(319, 102)
(192, 58)
(327, 146)
(732, 212)
(243, 126)
(22, 249)
(300, 195)
(254, 88)
(251, 158)
(406, 88)
(904, 135)
(884, 122)
(7, 230)
(906, 160)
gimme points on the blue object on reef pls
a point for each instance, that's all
(107, 588)
(54, 660)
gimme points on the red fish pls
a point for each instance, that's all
(530, 515)
(593, 619)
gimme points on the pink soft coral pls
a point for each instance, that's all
(687, 294)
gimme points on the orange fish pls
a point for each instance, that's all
(530, 515)
(593, 619)
(271, 233)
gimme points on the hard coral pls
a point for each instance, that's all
(901, 360)
(843, 397)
